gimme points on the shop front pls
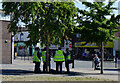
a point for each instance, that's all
(85, 52)
(22, 50)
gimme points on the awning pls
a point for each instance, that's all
(20, 44)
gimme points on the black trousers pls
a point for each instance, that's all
(59, 65)
(96, 65)
(73, 63)
(67, 65)
(37, 67)
(44, 67)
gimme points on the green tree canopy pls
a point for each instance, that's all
(97, 23)
(47, 21)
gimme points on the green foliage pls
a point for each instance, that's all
(94, 24)
(47, 21)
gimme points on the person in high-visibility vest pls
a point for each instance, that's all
(44, 60)
(36, 60)
(59, 59)
(67, 59)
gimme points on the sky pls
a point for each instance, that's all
(0, 5)
(79, 5)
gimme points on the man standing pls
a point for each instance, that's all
(59, 59)
(36, 60)
(44, 59)
(67, 59)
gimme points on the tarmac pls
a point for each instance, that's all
(26, 68)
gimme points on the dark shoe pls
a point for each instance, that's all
(37, 73)
(67, 72)
(60, 72)
(43, 71)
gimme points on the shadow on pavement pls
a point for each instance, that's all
(15, 72)
(112, 70)
(53, 72)
(27, 72)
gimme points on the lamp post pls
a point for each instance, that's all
(77, 36)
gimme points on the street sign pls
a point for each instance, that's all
(93, 45)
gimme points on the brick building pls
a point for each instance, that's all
(117, 43)
(5, 43)
(5, 39)
(117, 34)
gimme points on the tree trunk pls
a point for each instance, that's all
(73, 51)
(62, 44)
(102, 56)
(47, 54)
(47, 58)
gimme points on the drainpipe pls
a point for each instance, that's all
(12, 47)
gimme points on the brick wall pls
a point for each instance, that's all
(6, 47)
(0, 42)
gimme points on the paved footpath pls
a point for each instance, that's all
(25, 68)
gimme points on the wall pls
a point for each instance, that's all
(117, 34)
(6, 47)
(0, 42)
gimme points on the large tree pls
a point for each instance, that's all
(97, 23)
(46, 21)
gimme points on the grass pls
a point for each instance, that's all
(47, 78)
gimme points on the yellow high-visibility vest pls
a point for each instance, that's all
(68, 57)
(35, 57)
(44, 56)
(59, 56)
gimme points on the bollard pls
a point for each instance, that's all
(24, 57)
(92, 64)
(116, 63)
(28, 57)
(15, 55)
